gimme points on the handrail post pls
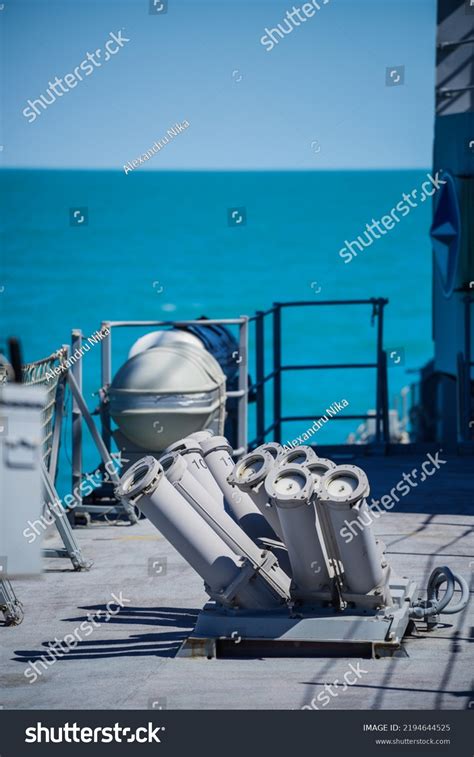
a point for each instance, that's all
(277, 370)
(378, 410)
(76, 370)
(385, 415)
(260, 375)
(106, 379)
(242, 406)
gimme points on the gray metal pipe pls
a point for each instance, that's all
(297, 455)
(249, 476)
(178, 474)
(200, 436)
(290, 488)
(317, 468)
(273, 448)
(217, 454)
(229, 579)
(191, 450)
(342, 493)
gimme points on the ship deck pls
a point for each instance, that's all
(129, 661)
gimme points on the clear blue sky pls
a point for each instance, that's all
(323, 83)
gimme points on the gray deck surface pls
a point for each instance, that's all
(129, 662)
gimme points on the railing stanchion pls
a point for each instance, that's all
(260, 375)
(242, 406)
(385, 414)
(277, 370)
(106, 378)
(378, 410)
(76, 370)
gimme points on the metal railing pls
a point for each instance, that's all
(241, 393)
(245, 392)
(262, 378)
(105, 437)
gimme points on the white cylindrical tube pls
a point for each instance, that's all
(273, 448)
(191, 450)
(177, 473)
(317, 469)
(217, 454)
(291, 487)
(296, 456)
(342, 493)
(191, 536)
(249, 476)
(200, 436)
(225, 575)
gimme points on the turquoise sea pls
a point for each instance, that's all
(172, 228)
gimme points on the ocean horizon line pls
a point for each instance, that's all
(388, 169)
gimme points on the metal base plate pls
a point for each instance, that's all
(321, 632)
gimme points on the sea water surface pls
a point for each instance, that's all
(158, 245)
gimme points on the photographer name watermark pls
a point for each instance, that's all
(178, 128)
(334, 409)
(77, 354)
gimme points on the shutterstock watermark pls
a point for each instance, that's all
(404, 207)
(303, 13)
(156, 146)
(61, 647)
(72, 733)
(87, 67)
(59, 508)
(350, 677)
(403, 487)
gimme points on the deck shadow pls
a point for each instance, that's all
(153, 644)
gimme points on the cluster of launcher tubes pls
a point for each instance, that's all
(265, 532)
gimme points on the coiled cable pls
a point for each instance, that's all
(434, 605)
